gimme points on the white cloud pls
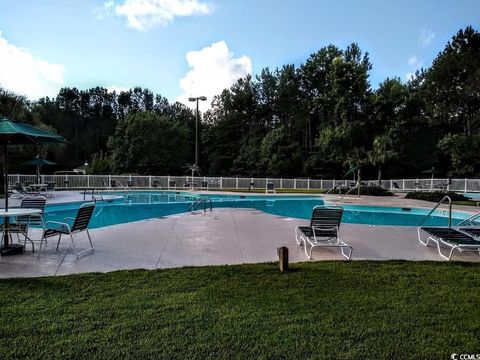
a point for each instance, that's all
(415, 64)
(409, 76)
(426, 37)
(25, 74)
(117, 89)
(145, 14)
(212, 69)
(101, 12)
(412, 60)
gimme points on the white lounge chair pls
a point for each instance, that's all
(323, 231)
(463, 239)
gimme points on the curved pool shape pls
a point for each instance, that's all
(148, 205)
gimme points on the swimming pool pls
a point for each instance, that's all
(149, 205)
(473, 196)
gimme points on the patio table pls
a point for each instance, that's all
(14, 248)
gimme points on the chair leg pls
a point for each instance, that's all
(305, 246)
(90, 240)
(309, 255)
(58, 242)
(25, 234)
(73, 244)
(348, 257)
(41, 244)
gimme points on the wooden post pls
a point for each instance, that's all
(283, 258)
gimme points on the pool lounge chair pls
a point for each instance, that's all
(18, 191)
(50, 189)
(323, 231)
(80, 223)
(472, 231)
(451, 238)
(270, 188)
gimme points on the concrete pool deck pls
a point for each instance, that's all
(224, 236)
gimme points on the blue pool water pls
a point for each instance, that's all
(147, 205)
(473, 196)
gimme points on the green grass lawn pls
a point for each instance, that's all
(344, 310)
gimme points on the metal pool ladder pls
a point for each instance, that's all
(470, 219)
(197, 204)
(446, 197)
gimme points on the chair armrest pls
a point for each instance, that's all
(35, 216)
(58, 223)
(326, 228)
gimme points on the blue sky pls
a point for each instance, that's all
(46, 44)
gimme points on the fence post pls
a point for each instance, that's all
(149, 181)
(321, 184)
(18, 178)
(294, 183)
(221, 183)
(109, 181)
(308, 183)
(403, 184)
(334, 183)
(465, 186)
(391, 184)
(236, 183)
(88, 181)
(281, 183)
(266, 182)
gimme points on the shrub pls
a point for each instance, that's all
(435, 196)
(373, 190)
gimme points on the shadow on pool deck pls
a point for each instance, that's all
(224, 236)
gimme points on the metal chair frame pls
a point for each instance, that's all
(22, 225)
(80, 224)
(322, 240)
(453, 246)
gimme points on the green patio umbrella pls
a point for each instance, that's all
(351, 170)
(38, 162)
(13, 133)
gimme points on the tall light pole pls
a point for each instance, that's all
(201, 98)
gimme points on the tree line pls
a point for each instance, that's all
(316, 120)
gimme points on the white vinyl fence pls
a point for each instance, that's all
(209, 182)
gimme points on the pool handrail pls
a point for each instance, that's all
(446, 197)
(328, 192)
(349, 191)
(95, 194)
(200, 201)
(470, 219)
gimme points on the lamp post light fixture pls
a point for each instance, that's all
(201, 98)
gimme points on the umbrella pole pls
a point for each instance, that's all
(5, 187)
(7, 248)
(5, 172)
